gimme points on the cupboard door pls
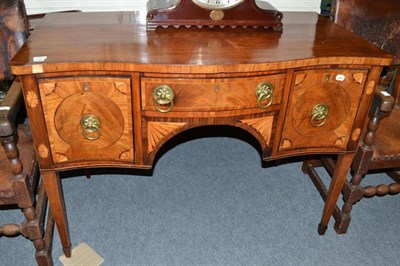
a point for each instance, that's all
(322, 108)
(88, 118)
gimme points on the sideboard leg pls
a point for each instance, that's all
(52, 184)
(339, 178)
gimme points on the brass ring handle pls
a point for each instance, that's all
(163, 95)
(319, 115)
(265, 91)
(90, 127)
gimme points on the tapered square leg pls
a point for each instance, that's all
(52, 184)
(339, 178)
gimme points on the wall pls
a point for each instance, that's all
(40, 6)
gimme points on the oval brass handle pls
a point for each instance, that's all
(265, 91)
(90, 127)
(163, 95)
(319, 115)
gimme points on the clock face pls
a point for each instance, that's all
(217, 4)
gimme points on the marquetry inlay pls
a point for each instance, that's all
(32, 99)
(111, 74)
(122, 87)
(358, 77)
(263, 126)
(48, 87)
(356, 134)
(286, 144)
(126, 155)
(60, 157)
(157, 131)
(340, 141)
(43, 151)
(371, 86)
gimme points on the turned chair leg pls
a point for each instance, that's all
(33, 229)
(43, 257)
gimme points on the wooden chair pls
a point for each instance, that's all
(379, 23)
(19, 175)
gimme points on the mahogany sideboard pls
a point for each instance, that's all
(101, 91)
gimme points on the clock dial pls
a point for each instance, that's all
(217, 4)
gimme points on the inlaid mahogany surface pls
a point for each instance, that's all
(340, 90)
(119, 41)
(306, 90)
(66, 104)
(212, 94)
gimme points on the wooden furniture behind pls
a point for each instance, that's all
(19, 175)
(101, 91)
(379, 23)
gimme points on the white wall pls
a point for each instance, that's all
(40, 6)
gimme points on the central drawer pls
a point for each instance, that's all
(222, 94)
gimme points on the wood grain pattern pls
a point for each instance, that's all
(51, 181)
(378, 150)
(335, 88)
(109, 66)
(67, 100)
(157, 131)
(308, 40)
(43, 152)
(359, 77)
(13, 33)
(356, 134)
(32, 99)
(371, 87)
(212, 94)
(262, 125)
(187, 13)
(374, 21)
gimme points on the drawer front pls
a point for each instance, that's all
(213, 94)
(88, 118)
(322, 108)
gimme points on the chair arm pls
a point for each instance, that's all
(383, 100)
(9, 108)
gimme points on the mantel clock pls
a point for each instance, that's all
(213, 13)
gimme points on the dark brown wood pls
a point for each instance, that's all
(187, 14)
(13, 33)
(379, 150)
(395, 176)
(375, 21)
(18, 179)
(214, 75)
(19, 173)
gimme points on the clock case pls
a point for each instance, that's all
(185, 13)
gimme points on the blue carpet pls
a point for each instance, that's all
(209, 202)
